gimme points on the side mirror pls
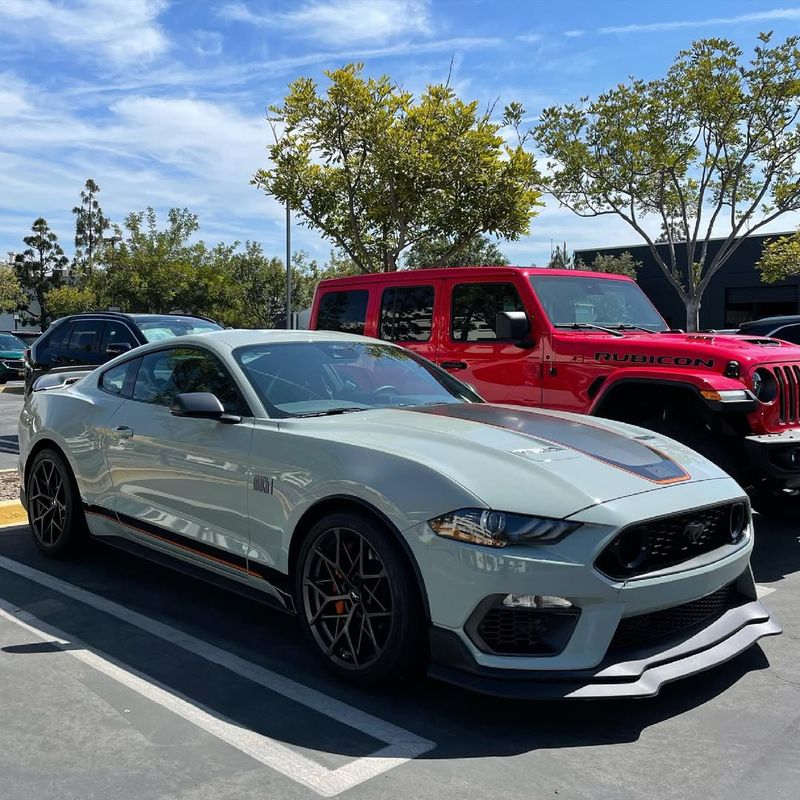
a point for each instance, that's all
(117, 348)
(514, 326)
(201, 405)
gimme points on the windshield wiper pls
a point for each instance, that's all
(578, 325)
(331, 411)
(629, 326)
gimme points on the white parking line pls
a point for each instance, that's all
(402, 745)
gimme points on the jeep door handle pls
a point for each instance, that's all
(124, 432)
(454, 364)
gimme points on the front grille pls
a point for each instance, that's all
(17, 365)
(646, 628)
(787, 378)
(660, 543)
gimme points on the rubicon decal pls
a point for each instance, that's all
(662, 361)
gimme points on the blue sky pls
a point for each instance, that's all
(162, 101)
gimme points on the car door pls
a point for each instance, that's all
(406, 316)
(501, 371)
(180, 483)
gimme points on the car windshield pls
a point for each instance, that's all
(10, 342)
(587, 301)
(295, 379)
(155, 329)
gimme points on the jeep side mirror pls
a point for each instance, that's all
(514, 326)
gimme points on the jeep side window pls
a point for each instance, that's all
(475, 307)
(343, 311)
(407, 313)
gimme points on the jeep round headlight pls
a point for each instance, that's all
(498, 528)
(765, 387)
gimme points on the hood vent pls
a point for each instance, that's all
(764, 342)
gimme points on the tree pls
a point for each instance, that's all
(477, 251)
(40, 268)
(153, 269)
(71, 300)
(377, 172)
(623, 264)
(10, 290)
(90, 225)
(561, 259)
(780, 258)
(711, 146)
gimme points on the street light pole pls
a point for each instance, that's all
(288, 268)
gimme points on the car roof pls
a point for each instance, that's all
(421, 275)
(771, 322)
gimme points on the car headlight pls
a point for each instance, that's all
(765, 388)
(498, 528)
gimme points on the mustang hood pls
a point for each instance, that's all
(505, 455)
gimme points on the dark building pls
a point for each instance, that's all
(735, 294)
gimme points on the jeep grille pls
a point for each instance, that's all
(787, 378)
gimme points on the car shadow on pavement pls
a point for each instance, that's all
(463, 724)
(776, 553)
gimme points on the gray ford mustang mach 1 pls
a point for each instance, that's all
(406, 522)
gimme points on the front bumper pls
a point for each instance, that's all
(776, 456)
(639, 675)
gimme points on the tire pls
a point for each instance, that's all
(55, 511)
(358, 601)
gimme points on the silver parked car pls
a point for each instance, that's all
(405, 522)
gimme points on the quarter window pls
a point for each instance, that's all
(407, 314)
(84, 336)
(343, 311)
(167, 373)
(475, 309)
(113, 380)
(59, 338)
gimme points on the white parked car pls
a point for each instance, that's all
(405, 522)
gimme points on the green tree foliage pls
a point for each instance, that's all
(377, 172)
(561, 259)
(71, 300)
(90, 225)
(780, 258)
(623, 264)
(477, 251)
(40, 268)
(10, 290)
(153, 269)
(713, 145)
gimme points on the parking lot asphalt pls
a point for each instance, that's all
(119, 678)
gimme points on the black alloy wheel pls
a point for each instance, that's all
(54, 510)
(357, 600)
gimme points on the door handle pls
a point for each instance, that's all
(124, 432)
(454, 364)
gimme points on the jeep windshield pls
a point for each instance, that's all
(587, 302)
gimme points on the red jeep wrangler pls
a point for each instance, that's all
(590, 343)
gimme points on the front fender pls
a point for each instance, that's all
(708, 387)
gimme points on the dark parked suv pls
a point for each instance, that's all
(88, 340)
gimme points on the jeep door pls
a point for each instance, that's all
(180, 483)
(501, 371)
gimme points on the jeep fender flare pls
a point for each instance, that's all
(705, 387)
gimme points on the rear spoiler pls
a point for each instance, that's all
(60, 377)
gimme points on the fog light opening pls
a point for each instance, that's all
(535, 601)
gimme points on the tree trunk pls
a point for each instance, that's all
(693, 313)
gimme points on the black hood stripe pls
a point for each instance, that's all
(603, 445)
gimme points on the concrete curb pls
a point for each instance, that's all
(12, 513)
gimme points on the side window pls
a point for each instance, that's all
(475, 308)
(343, 311)
(85, 335)
(790, 333)
(166, 373)
(117, 333)
(407, 314)
(114, 380)
(59, 338)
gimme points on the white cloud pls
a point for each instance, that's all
(574, 34)
(124, 31)
(343, 22)
(755, 16)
